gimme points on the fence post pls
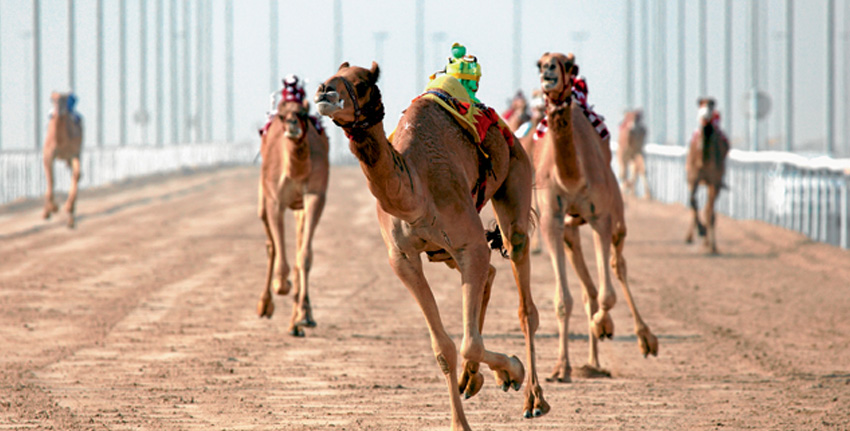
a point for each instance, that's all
(845, 183)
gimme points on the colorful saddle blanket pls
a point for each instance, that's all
(476, 118)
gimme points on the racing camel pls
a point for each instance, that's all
(577, 186)
(426, 182)
(706, 164)
(630, 155)
(64, 141)
(294, 175)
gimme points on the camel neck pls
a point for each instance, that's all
(564, 149)
(390, 178)
(297, 157)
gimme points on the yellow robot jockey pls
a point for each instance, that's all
(465, 68)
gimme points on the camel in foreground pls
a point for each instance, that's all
(576, 186)
(64, 141)
(706, 164)
(630, 153)
(294, 175)
(429, 184)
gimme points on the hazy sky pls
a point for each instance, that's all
(306, 37)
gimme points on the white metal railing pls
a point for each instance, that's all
(22, 172)
(809, 196)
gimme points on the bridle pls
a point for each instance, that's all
(369, 118)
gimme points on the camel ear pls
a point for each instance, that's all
(574, 70)
(343, 66)
(375, 72)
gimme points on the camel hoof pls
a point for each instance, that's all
(588, 371)
(281, 288)
(265, 308)
(561, 375)
(476, 382)
(648, 343)
(689, 239)
(603, 325)
(307, 323)
(296, 332)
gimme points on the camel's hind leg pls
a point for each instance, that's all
(49, 203)
(70, 204)
(710, 240)
(647, 342)
(409, 270)
(590, 298)
(265, 307)
(306, 222)
(512, 205)
(695, 223)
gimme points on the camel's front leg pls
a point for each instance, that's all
(647, 342)
(603, 325)
(307, 220)
(280, 277)
(49, 204)
(471, 380)
(70, 204)
(590, 298)
(710, 240)
(552, 225)
(695, 223)
(640, 162)
(409, 270)
(265, 307)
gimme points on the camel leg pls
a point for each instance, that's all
(409, 270)
(640, 167)
(590, 298)
(623, 173)
(552, 225)
(512, 206)
(307, 220)
(536, 237)
(265, 307)
(647, 342)
(471, 381)
(710, 242)
(49, 204)
(603, 325)
(280, 279)
(695, 223)
(70, 204)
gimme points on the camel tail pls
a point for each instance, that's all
(494, 239)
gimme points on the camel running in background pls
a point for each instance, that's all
(576, 186)
(294, 175)
(426, 182)
(706, 164)
(64, 141)
(630, 155)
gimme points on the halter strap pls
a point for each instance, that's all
(366, 122)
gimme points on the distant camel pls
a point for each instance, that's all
(630, 153)
(577, 186)
(294, 175)
(706, 164)
(64, 141)
(430, 183)
(517, 112)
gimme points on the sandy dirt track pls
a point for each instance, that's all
(143, 318)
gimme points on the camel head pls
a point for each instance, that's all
(556, 72)
(294, 118)
(706, 110)
(351, 97)
(60, 102)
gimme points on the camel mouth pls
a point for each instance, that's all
(293, 133)
(328, 103)
(548, 82)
